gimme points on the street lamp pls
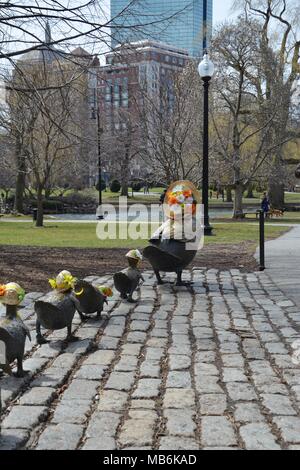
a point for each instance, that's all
(96, 115)
(206, 70)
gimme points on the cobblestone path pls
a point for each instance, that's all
(202, 369)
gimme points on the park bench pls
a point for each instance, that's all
(255, 212)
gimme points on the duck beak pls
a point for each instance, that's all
(79, 293)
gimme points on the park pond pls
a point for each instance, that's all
(142, 215)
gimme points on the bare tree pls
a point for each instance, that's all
(241, 128)
(172, 127)
(276, 78)
(80, 23)
(48, 134)
(7, 173)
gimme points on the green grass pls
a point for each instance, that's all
(289, 198)
(83, 235)
(287, 218)
(237, 232)
(16, 216)
(292, 197)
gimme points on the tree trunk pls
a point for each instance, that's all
(228, 194)
(238, 202)
(124, 188)
(47, 193)
(276, 194)
(6, 191)
(40, 210)
(250, 194)
(124, 173)
(20, 180)
(276, 183)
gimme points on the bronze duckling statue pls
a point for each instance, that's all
(13, 331)
(89, 299)
(175, 244)
(56, 309)
(127, 281)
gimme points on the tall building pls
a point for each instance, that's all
(133, 76)
(185, 24)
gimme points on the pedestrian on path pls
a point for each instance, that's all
(265, 204)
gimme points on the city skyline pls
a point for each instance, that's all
(176, 22)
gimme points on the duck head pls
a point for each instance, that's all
(80, 287)
(11, 294)
(134, 258)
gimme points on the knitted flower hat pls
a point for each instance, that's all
(63, 282)
(181, 195)
(134, 254)
(11, 293)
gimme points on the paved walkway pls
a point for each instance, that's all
(179, 370)
(283, 263)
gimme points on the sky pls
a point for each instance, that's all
(222, 10)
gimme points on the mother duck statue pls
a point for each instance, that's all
(175, 244)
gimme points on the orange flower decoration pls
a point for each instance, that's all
(2, 290)
(172, 200)
(187, 193)
(106, 291)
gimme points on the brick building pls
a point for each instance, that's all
(133, 75)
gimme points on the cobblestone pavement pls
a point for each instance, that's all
(178, 370)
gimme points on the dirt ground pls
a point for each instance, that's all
(32, 266)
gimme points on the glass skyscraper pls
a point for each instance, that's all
(185, 24)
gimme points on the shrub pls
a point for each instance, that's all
(52, 205)
(136, 185)
(115, 186)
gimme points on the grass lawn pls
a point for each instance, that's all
(287, 218)
(289, 197)
(83, 235)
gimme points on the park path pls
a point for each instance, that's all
(180, 370)
(283, 263)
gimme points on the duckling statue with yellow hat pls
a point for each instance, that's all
(13, 331)
(56, 309)
(127, 281)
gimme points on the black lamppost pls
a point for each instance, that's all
(206, 70)
(96, 115)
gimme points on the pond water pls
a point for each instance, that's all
(142, 215)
